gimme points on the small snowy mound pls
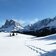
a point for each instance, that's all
(52, 53)
(50, 37)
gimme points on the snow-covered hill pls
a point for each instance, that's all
(26, 45)
(11, 25)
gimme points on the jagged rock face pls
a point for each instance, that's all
(10, 25)
(6, 24)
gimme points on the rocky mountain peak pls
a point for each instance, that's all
(10, 25)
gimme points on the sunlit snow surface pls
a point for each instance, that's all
(26, 45)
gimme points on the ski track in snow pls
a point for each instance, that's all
(25, 45)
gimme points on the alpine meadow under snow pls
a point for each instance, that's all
(27, 45)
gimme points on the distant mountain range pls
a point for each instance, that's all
(41, 28)
(11, 25)
(48, 22)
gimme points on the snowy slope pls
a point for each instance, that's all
(26, 45)
(14, 46)
(52, 24)
(44, 46)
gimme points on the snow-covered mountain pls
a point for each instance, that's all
(27, 28)
(48, 22)
(40, 24)
(52, 24)
(11, 25)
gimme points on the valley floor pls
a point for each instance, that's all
(26, 45)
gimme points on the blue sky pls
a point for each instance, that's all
(26, 11)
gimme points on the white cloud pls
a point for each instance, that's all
(25, 22)
(22, 22)
(2, 23)
(34, 21)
